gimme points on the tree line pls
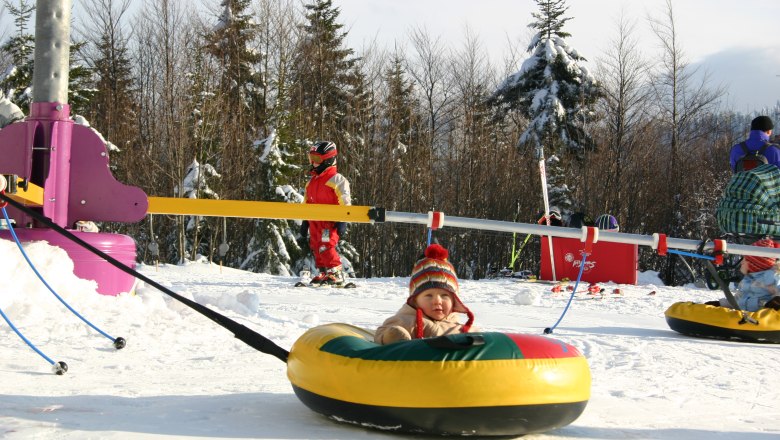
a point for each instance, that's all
(224, 100)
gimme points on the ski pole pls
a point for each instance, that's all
(549, 330)
(59, 368)
(119, 343)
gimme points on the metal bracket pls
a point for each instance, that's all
(376, 214)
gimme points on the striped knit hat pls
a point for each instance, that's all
(757, 264)
(431, 272)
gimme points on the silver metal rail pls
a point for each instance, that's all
(558, 231)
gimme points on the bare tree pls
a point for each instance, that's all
(681, 102)
(625, 107)
(163, 34)
(429, 69)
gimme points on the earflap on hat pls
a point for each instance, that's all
(458, 306)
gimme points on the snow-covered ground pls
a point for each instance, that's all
(181, 375)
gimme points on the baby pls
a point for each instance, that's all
(432, 305)
(761, 285)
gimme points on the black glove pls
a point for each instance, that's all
(773, 303)
(303, 241)
(341, 228)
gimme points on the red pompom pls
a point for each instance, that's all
(436, 252)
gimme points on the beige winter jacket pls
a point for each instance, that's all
(401, 326)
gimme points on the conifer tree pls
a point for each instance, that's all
(230, 43)
(80, 82)
(16, 85)
(254, 144)
(552, 90)
(387, 169)
(554, 93)
(399, 106)
(328, 97)
(325, 76)
(112, 107)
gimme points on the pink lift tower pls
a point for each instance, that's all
(69, 161)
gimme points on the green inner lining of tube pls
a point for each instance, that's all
(497, 346)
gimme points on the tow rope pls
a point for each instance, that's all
(241, 332)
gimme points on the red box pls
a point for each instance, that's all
(616, 262)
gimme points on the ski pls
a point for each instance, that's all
(560, 286)
(305, 281)
(349, 285)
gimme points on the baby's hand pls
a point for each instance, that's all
(396, 334)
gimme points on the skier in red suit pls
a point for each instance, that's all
(326, 186)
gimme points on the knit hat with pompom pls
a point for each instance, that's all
(431, 272)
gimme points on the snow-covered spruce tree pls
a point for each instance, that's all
(553, 92)
(112, 108)
(254, 146)
(80, 84)
(16, 83)
(273, 247)
(195, 186)
(327, 93)
(230, 43)
(324, 74)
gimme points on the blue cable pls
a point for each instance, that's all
(549, 330)
(24, 254)
(689, 254)
(30, 344)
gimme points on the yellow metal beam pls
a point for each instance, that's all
(32, 196)
(250, 209)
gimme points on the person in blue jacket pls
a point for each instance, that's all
(760, 134)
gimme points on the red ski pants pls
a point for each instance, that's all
(323, 239)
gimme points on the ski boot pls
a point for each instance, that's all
(334, 277)
(595, 289)
(320, 278)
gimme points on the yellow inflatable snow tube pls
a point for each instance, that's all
(482, 384)
(722, 323)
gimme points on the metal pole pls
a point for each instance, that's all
(52, 49)
(559, 231)
(543, 174)
(50, 104)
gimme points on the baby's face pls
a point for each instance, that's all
(436, 303)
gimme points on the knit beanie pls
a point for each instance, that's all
(431, 272)
(762, 123)
(757, 264)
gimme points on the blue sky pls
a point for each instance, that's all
(738, 43)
